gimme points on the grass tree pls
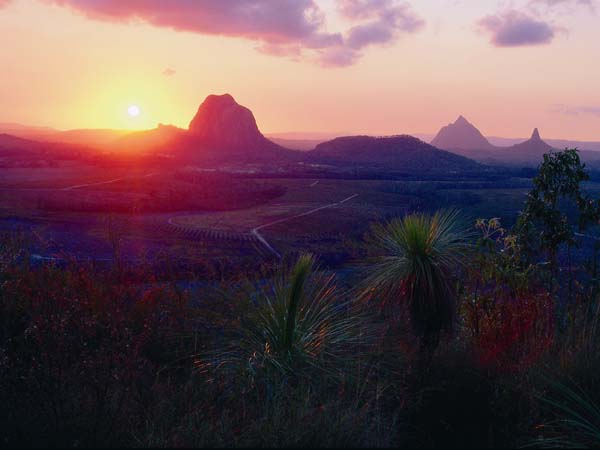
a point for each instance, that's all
(299, 320)
(416, 260)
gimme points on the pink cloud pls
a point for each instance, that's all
(288, 28)
(4, 3)
(515, 29)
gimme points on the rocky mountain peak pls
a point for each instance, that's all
(220, 119)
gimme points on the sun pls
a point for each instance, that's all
(133, 110)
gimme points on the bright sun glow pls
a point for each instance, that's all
(133, 110)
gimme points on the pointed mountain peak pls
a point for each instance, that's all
(461, 121)
(460, 135)
(536, 135)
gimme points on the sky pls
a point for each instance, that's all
(338, 66)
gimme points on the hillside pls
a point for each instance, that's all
(395, 153)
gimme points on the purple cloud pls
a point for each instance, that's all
(291, 28)
(339, 57)
(386, 20)
(262, 20)
(564, 2)
(563, 6)
(576, 110)
(515, 29)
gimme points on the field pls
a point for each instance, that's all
(146, 280)
(187, 215)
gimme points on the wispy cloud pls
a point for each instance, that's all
(385, 20)
(569, 3)
(377, 23)
(576, 110)
(169, 72)
(292, 28)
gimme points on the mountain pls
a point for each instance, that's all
(223, 131)
(147, 140)
(222, 120)
(100, 138)
(555, 143)
(395, 153)
(13, 148)
(9, 142)
(19, 152)
(24, 131)
(96, 138)
(531, 150)
(527, 154)
(461, 135)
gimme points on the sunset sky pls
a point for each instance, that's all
(370, 66)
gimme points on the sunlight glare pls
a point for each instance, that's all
(133, 111)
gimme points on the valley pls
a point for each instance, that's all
(221, 193)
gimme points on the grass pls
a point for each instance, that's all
(576, 422)
(297, 320)
(290, 358)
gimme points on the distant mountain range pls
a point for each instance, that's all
(98, 138)
(555, 143)
(224, 132)
(463, 138)
(221, 132)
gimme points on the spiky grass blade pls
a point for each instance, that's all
(299, 320)
(416, 258)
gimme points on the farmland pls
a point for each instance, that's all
(189, 215)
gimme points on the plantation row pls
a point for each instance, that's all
(197, 234)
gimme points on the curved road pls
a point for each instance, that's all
(260, 237)
(70, 188)
(255, 231)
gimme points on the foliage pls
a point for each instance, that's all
(297, 320)
(576, 422)
(75, 348)
(92, 357)
(545, 225)
(508, 316)
(417, 257)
